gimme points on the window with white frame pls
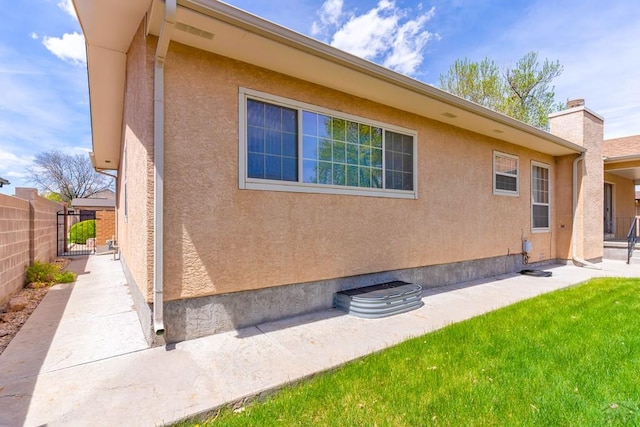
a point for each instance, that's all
(540, 197)
(291, 146)
(126, 196)
(505, 174)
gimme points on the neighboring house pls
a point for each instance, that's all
(622, 170)
(261, 171)
(101, 207)
(3, 182)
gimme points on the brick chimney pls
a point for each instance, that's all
(572, 103)
(583, 127)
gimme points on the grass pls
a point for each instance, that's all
(569, 358)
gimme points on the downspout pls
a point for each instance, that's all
(574, 232)
(158, 170)
(106, 173)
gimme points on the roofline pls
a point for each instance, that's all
(575, 110)
(619, 159)
(232, 15)
(106, 64)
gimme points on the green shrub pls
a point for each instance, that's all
(81, 231)
(42, 273)
(66, 277)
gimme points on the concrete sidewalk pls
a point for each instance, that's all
(81, 359)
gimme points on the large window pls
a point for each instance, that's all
(540, 201)
(505, 174)
(291, 146)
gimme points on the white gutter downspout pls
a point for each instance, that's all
(106, 173)
(158, 152)
(574, 232)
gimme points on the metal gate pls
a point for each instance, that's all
(76, 232)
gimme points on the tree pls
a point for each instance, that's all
(70, 176)
(523, 92)
(479, 82)
(52, 196)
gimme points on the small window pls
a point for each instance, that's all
(540, 200)
(505, 174)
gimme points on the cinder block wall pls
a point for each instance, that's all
(14, 245)
(28, 232)
(44, 228)
(105, 227)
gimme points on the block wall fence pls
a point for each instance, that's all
(28, 227)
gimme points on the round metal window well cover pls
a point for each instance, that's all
(536, 273)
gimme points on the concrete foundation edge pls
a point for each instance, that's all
(143, 308)
(196, 317)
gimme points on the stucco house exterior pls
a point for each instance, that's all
(622, 171)
(261, 171)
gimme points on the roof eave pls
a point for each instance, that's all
(106, 57)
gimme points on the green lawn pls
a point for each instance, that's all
(569, 358)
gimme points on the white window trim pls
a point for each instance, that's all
(246, 183)
(548, 168)
(497, 191)
(126, 195)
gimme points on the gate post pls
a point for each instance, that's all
(64, 230)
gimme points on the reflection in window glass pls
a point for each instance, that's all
(335, 151)
(505, 170)
(399, 161)
(354, 151)
(540, 196)
(272, 149)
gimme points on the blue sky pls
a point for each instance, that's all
(44, 101)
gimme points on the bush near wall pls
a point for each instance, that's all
(81, 231)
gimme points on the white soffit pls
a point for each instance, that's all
(109, 27)
(236, 34)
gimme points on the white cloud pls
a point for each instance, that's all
(330, 14)
(14, 174)
(67, 6)
(368, 35)
(70, 47)
(383, 34)
(13, 167)
(8, 158)
(406, 54)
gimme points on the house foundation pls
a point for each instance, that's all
(197, 317)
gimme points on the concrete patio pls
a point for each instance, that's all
(81, 359)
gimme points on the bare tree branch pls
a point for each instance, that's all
(70, 176)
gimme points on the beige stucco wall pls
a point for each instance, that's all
(624, 205)
(563, 206)
(134, 225)
(221, 239)
(582, 127)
